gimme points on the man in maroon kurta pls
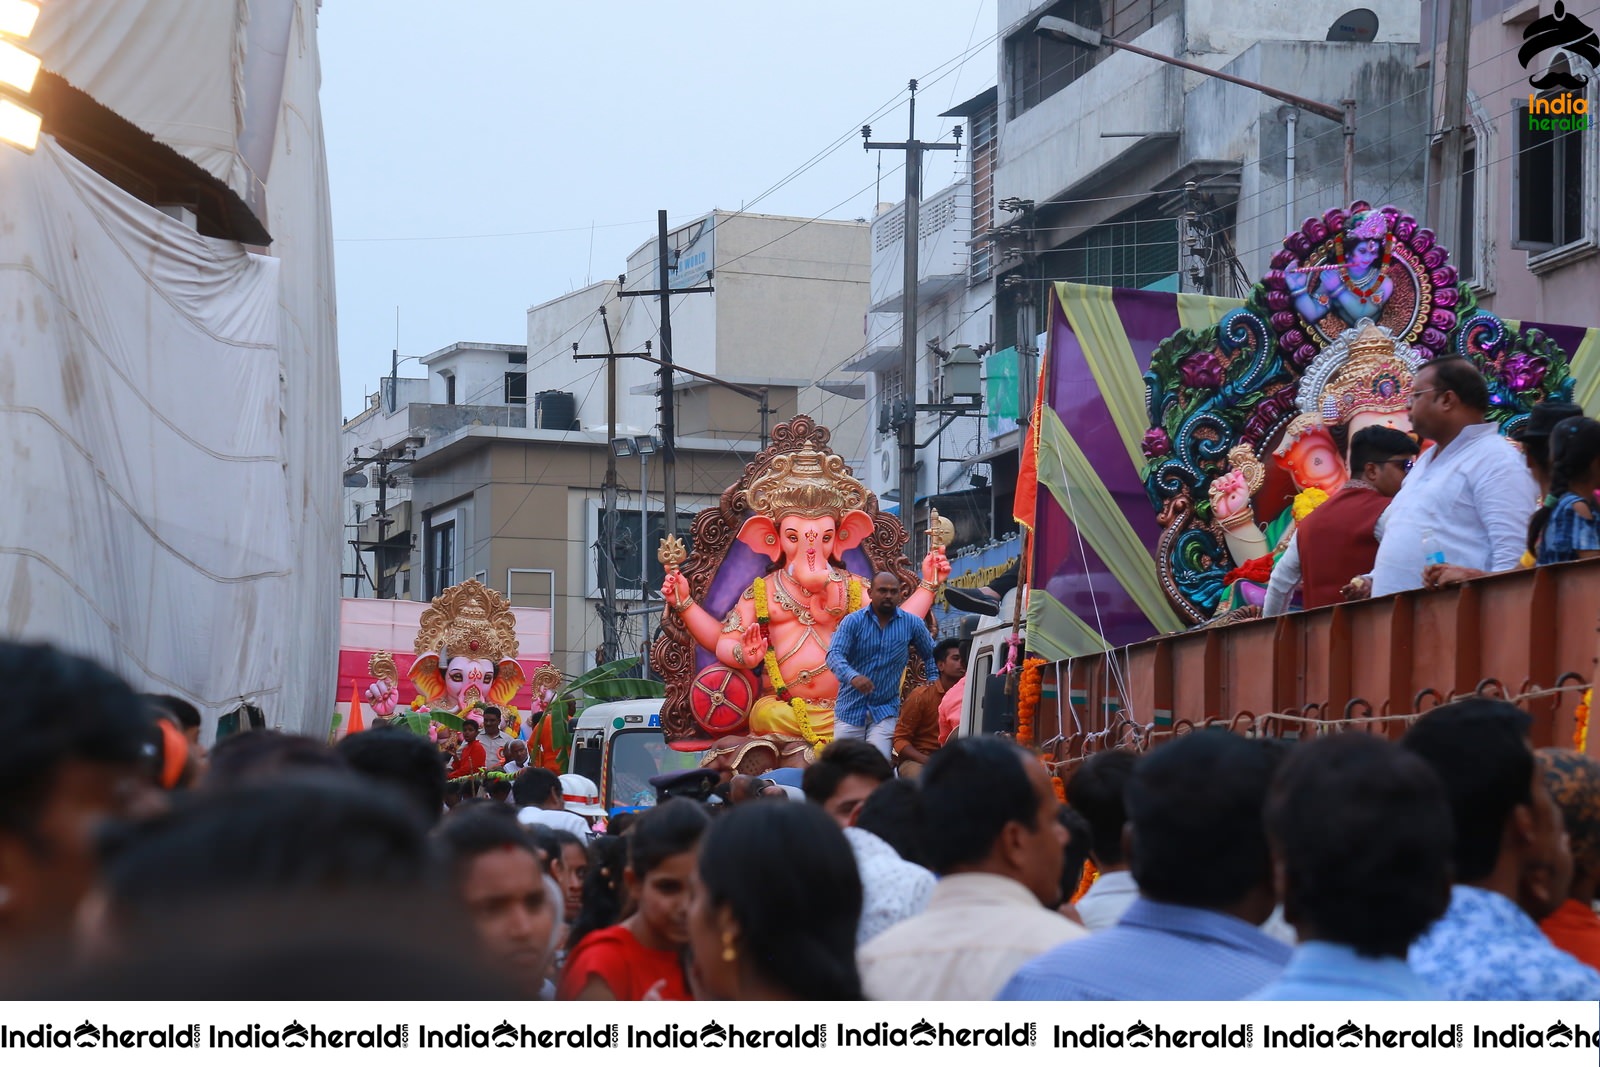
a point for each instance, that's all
(1335, 542)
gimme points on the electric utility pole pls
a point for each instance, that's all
(1453, 143)
(669, 451)
(905, 414)
(610, 641)
(608, 516)
(400, 454)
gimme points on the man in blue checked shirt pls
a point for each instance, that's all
(868, 655)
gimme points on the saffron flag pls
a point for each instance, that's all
(356, 725)
(1025, 504)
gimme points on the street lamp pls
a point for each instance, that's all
(1060, 29)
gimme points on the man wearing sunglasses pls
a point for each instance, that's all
(1465, 505)
(1336, 542)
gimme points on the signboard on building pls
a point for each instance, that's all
(696, 249)
(973, 569)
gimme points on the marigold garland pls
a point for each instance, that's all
(770, 661)
(1090, 874)
(1030, 690)
(1580, 729)
(1060, 787)
(1308, 500)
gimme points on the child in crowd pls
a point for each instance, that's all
(1564, 529)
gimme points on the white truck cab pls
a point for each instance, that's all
(987, 708)
(619, 746)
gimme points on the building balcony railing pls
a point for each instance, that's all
(944, 254)
(438, 420)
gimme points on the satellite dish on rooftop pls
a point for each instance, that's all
(1359, 25)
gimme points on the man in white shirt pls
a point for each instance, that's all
(997, 846)
(539, 800)
(492, 740)
(1464, 507)
(516, 754)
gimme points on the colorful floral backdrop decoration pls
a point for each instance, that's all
(1210, 389)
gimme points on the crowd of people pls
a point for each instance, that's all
(1454, 863)
(906, 862)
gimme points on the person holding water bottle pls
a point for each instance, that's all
(1465, 505)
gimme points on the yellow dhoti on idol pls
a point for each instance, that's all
(773, 716)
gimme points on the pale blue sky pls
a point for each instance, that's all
(447, 123)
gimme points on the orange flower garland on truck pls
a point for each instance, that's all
(1030, 690)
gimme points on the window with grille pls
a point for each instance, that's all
(1136, 250)
(891, 391)
(1038, 67)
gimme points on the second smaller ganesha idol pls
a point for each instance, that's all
(1362, 379)
(466, 648)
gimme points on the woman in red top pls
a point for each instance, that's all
(640, 957)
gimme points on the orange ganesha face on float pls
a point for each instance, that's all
(1311, 457)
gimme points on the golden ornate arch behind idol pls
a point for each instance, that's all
(673, 653)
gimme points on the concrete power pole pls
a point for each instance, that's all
(608, 517)
(669, 419)
(905, 416)
(1458, 42)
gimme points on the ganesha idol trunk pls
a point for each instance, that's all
(784, 556)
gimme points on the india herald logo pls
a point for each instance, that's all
(1559, 30)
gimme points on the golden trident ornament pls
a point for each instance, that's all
(671, 553)
(941, 531)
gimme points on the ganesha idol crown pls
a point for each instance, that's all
(1366, 370)
(469, 620)
(808, 483)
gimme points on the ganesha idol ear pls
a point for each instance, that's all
(508, 678)
(854, 528)
(760, 535)
(427, 677)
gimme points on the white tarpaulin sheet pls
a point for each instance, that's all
(168, 407)
(173, 68)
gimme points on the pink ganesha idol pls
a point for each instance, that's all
(466, 650)
(807, 512)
